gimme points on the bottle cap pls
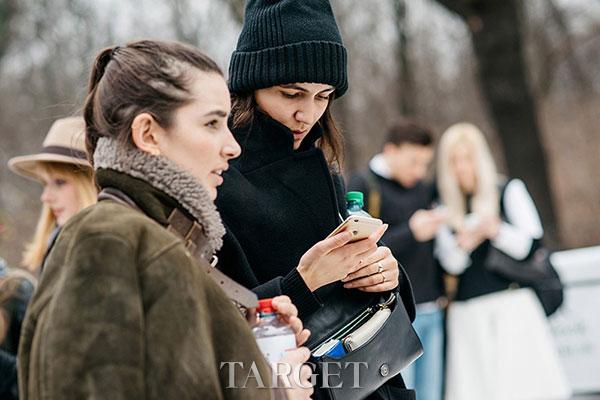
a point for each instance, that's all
(355, 196)
(265, 306)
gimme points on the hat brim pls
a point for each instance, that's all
(28, 166)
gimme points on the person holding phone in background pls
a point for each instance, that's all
(499, 341)
(396, 191)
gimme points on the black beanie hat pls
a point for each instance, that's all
(288, 41)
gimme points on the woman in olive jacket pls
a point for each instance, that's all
(125, 308)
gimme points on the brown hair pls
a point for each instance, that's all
(9, 289)
(332, 143)
(144, 76)
(408, 131)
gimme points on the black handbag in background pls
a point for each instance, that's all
(535, 272)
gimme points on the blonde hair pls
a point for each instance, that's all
(485, 200)
(81, 177)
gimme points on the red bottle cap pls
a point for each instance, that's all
(265, 306)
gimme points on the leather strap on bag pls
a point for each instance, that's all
(192, 234)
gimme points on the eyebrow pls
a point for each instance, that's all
(218, 113)
(300, 88)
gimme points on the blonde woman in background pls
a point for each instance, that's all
(499, 342)
(62, 168)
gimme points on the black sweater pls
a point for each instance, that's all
(398, 204)
(276, 203)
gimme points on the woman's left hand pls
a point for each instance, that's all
(289, 314)
(379, 274)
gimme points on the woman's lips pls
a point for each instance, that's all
(218, 178)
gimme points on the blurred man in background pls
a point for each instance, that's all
(396, 191)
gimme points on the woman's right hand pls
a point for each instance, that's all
(332, 259)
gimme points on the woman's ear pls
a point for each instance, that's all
(145, 132)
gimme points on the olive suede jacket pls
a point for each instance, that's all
(124, 312)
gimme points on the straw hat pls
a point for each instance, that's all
(64, 143)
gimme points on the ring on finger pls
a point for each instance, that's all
(382, 277)
(379, 267)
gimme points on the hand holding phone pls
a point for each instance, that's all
(360, 227)
(334, 257)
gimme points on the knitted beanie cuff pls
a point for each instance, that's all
(314, 62)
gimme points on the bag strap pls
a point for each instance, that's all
(373, 195)
(502, 186)
(192, 234)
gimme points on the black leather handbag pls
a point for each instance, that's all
(535, 272)
(361, 371)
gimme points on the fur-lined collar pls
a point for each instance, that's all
(165, 176)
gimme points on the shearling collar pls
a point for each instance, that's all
(168, 186)
(266, 140)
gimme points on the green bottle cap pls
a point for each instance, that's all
(355, 196)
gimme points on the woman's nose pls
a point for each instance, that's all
(305, 114)
(231, 149)
(46, 196)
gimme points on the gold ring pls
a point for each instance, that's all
(379, 267)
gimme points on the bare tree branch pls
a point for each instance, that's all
(566, 47)
(456, 6)
(236, 7)
(180, 11)
(8, 10)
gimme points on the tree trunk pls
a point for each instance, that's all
(406, 92)
(498, 45)
(8, 9)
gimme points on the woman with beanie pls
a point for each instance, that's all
(284, 194)
(126, 308)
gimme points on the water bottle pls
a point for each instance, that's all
(273, 336)
(355, 203)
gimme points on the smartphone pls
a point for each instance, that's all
(360, 227)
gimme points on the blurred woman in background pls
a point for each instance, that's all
(62, 168)
(66, 175)
(499, 341)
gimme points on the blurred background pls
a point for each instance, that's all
(526, 72)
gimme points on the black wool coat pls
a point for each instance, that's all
(276, 203)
